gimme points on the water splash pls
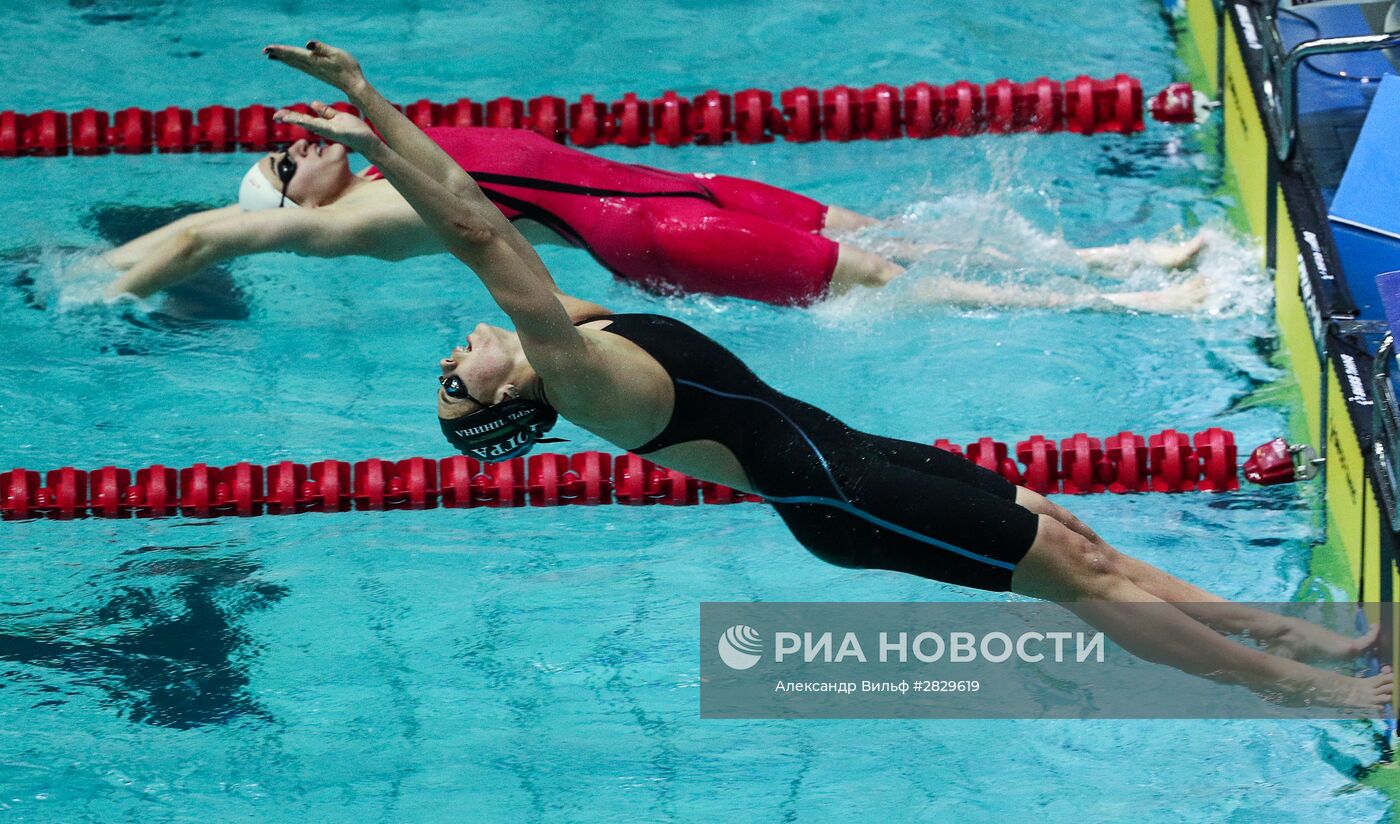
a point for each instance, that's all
(68, 280)
(974, 252)
(1239, 284)
(72, 282)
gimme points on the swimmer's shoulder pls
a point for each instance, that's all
(374, 195)
(617, 390)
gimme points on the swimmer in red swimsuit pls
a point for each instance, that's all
(666, 231)
(663, 230)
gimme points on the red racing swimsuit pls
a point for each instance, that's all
(663, 230)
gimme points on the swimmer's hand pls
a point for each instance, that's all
(332, 124)
(334, 66)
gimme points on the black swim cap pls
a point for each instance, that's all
(502, 431)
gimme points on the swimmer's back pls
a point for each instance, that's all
(519, 153)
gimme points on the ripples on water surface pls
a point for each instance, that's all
(541, 664)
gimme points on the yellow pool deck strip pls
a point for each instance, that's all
(1333, 381)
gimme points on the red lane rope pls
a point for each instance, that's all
(1169, 461)
(801, 115)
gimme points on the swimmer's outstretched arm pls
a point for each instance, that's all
(134, 251)
(475, 231)
(341, 70)
(181, 253)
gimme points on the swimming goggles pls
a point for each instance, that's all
(286, 169)
(454, 387)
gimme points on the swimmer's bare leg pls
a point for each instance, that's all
(1176, 299)
(1114, 259)
(1180, 298)
(1092, 580)
(857, 267)
(909, 252)
(842, 220)
(949, 292)
(1283, 635)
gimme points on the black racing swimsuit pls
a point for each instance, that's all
(853, 499)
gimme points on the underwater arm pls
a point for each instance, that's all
(182, 254)
(473, 230)
(132, 252)
(340, 69)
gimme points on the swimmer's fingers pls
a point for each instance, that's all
(334, 66)
(305, 121)
(322, 110)
(331, 124)
(333, 56)
(291, 55)
(320, 124)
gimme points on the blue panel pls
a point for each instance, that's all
(1370, 192)
(1365, 214)
(1365, 255)
(1332, 81)
(1388, 285)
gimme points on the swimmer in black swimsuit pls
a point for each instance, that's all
(830, 483)
(656, 386)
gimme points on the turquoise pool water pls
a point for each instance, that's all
(541, 664)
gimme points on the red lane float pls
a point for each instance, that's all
(588, 123)
(12, 128)
(46, 134)
(505, 113)
(88, 133)
(840, 113)
(216, 129)
(923, 111)
(1279, 462)
(424, 113)
(1172, 462)
(992, 455)
(132, 131)
(670, 119)
(1080, 456)
(255, 128)
(1216, 449)
(1168, 461)
(1041, 459)
(463, 114)
(711, 118)
(802, 114)
(1126, 453)
(174, 130)
(963, 108)
(1174, 104)
(884, 118)
(630, 126)
(755, 119)
(547, 115)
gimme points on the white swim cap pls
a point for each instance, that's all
(256, 192)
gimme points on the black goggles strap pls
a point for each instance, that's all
(286, 170)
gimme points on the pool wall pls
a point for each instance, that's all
(1324, 340)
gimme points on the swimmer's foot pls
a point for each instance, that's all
(1332, 689)
(1178, 299)
(1164, 255)
(1305, 641)
(1177, 255)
